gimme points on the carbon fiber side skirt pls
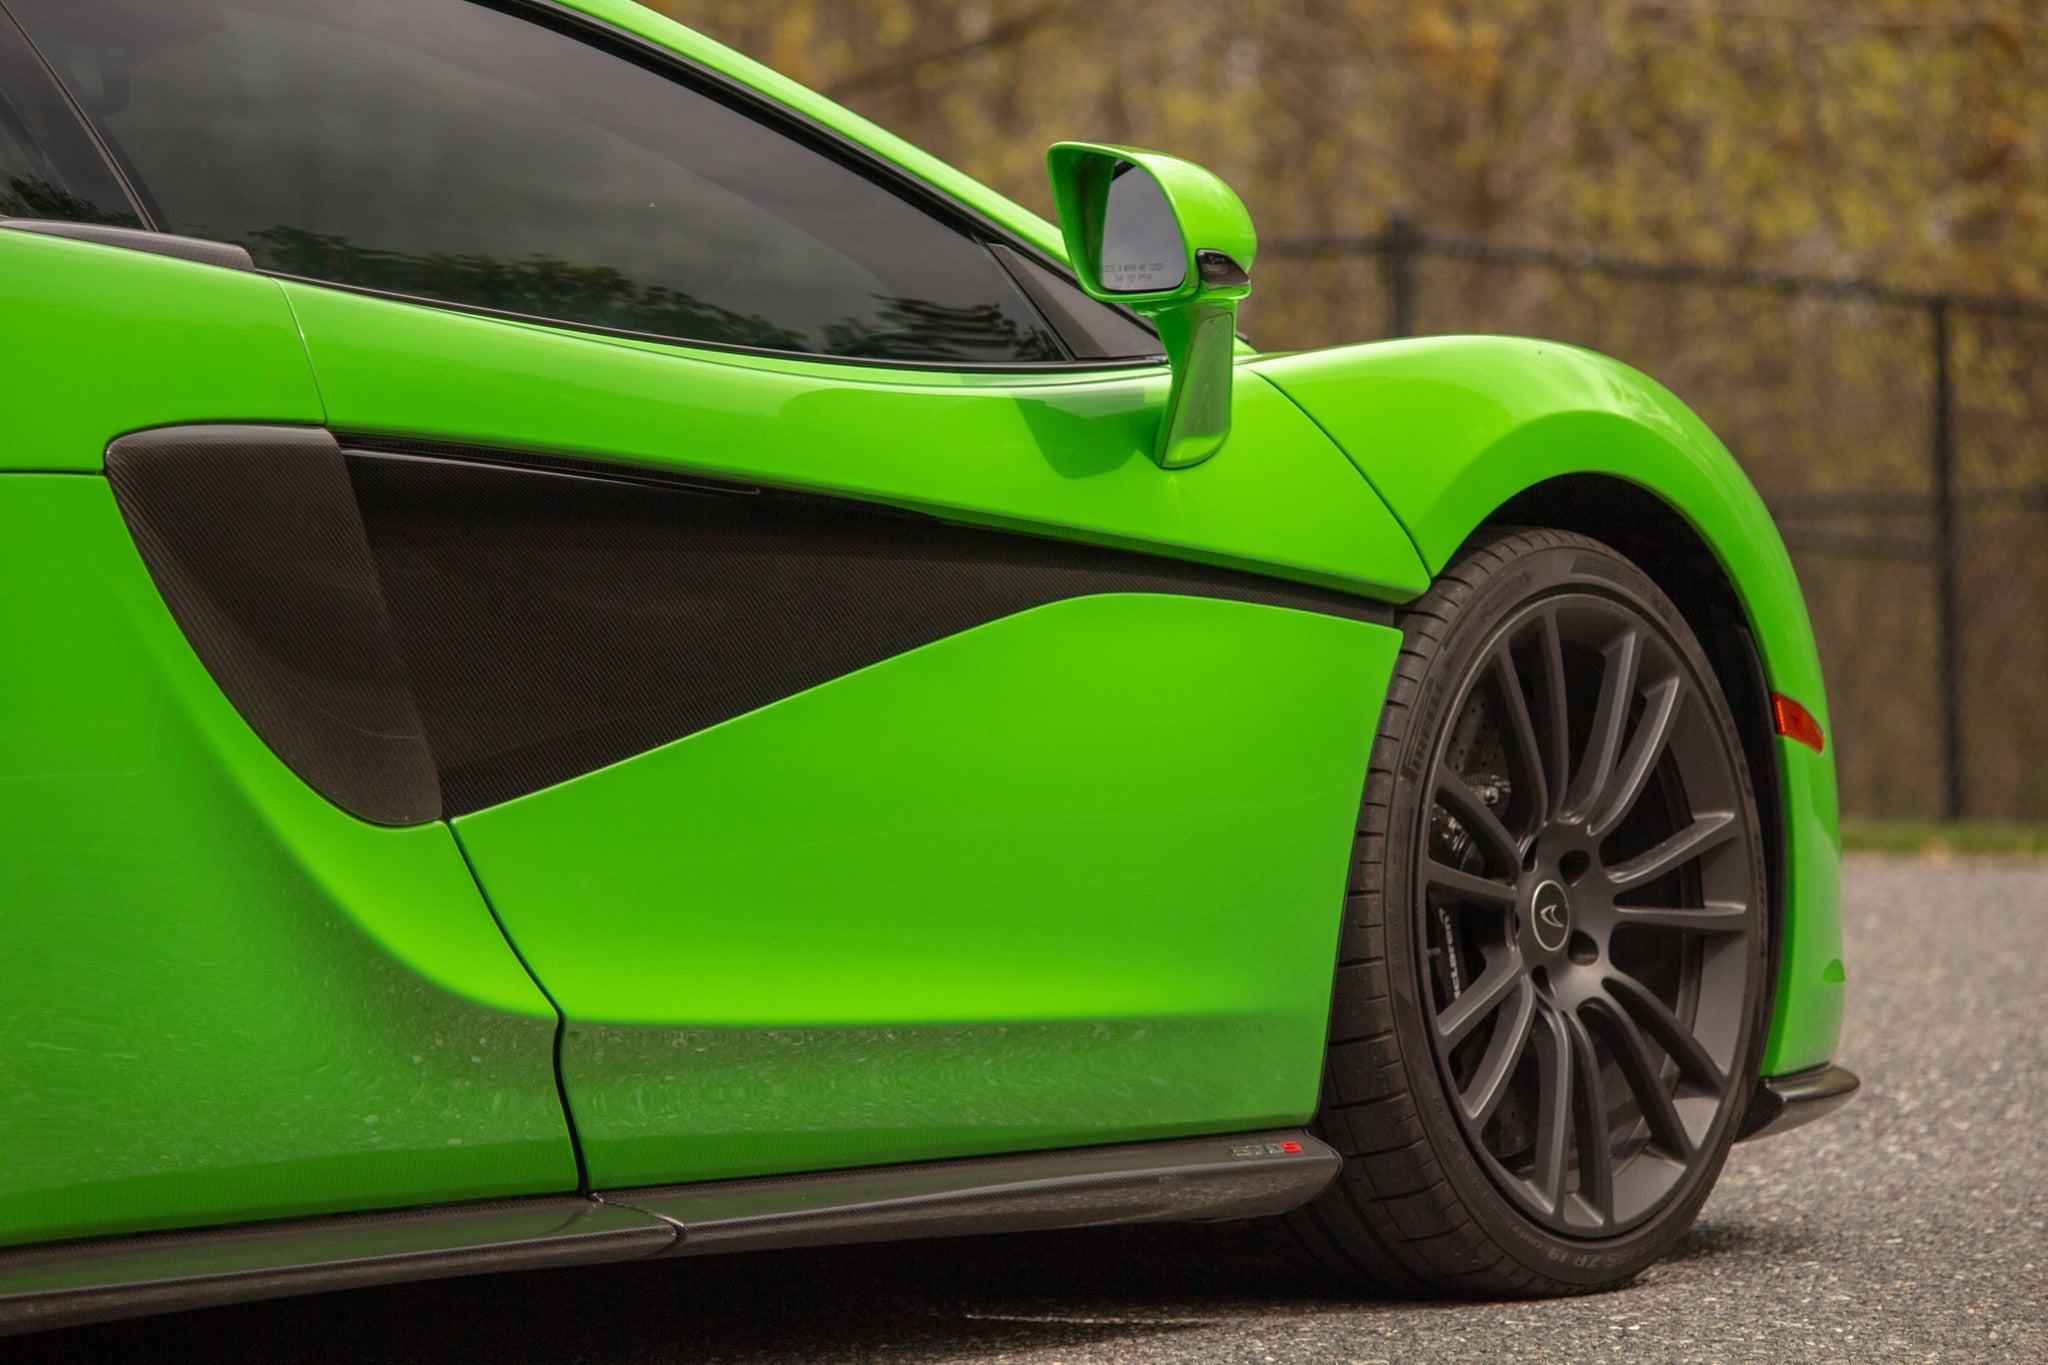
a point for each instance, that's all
(1182, 1180)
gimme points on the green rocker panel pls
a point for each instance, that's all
(225, 998)
(1074, 876)
(1449, 428)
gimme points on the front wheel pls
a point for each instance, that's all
(1549, 1003)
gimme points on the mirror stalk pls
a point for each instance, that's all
(1201, 347)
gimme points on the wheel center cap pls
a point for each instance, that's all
(1550, 916)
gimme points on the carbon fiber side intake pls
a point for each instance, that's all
(254, 540)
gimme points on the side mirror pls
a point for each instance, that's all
(1171, 240)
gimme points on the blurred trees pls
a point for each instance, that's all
(1902, 138)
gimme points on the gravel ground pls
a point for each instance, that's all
(1913, 1224)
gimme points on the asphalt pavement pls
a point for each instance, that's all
(1912, 1225)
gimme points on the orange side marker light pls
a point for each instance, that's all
(1796, 722)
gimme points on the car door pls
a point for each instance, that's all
(873, 754)
(226, 998)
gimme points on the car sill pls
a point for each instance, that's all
(119, 1277)
(1188, 1179)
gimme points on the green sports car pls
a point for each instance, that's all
(599, 660)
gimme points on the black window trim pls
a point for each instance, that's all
(818, 136)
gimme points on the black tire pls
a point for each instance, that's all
(1470, 1171)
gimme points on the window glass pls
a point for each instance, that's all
(23, 177)
(1092, 330)
(456, 151)
(49, 167)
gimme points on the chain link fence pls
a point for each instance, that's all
(1900, 438)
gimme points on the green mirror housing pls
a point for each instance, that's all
(1171, 240)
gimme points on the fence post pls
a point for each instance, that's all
(1949, 624)
(1401, 242)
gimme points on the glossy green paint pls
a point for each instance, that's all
(1200, 337)
(1018, 888)
(1061, 452)
(225, 998)
(1197, 319)
(97, 340)
(1449, 428)
(1806, 1025)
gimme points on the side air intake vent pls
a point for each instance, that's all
(253, 537)
(556, 617)
(423, 630)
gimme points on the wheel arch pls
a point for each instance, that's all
(1450, 429)
(1458, 433)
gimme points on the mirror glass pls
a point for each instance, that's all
(1142, 251)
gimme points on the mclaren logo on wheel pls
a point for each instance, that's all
(1550, 916)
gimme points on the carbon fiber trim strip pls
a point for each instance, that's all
(1782, 1103)
(1247, 1175)
(195, 249)
(124, 1277)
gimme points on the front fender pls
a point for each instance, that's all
(1447, 429)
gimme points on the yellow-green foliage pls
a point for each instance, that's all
(1903, 138)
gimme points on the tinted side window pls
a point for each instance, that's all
(49, 167)
(1092, 330)
(456, 151)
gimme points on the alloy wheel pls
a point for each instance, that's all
(1586, 890)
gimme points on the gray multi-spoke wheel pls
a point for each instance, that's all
(1550, 995)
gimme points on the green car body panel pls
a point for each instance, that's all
(1070, 877)
(1060, 452)
(657, 949)
(229, 999)
(1063, 878)
(96, 342)
(198, 937)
